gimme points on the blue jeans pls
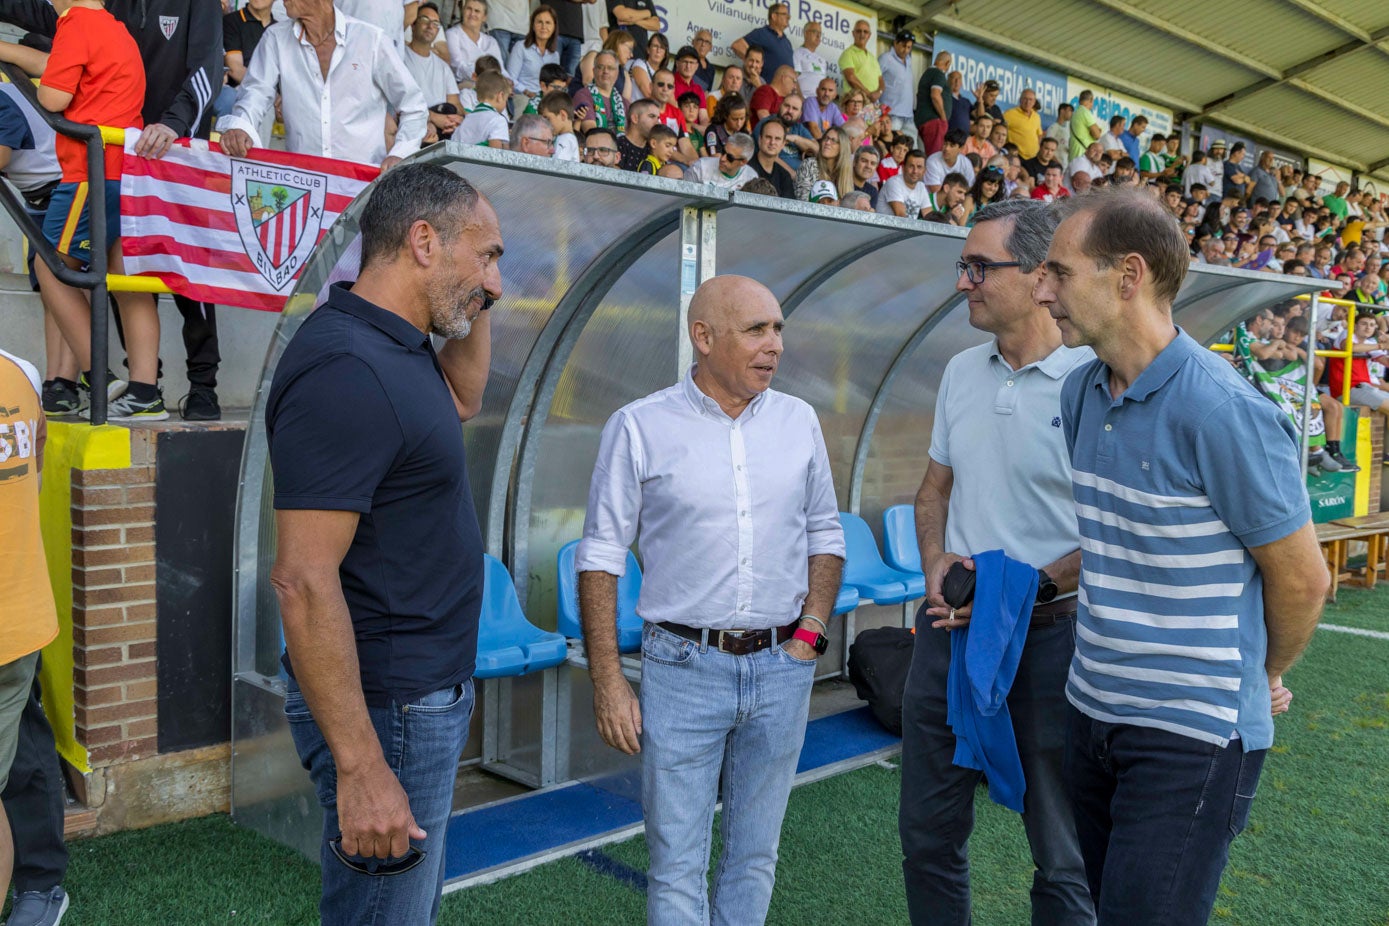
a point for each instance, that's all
(705, 712)
(505, 40)
(1156, 813)
(571, 50)
(937, 809)
(422, 742)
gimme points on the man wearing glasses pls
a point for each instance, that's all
(663, 92)
(979, 494)
(703, 43)
(600, 148)
(531, 134)
(730, 170)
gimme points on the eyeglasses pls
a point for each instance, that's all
(547, 142)
(665, 86)
(600, 151)
(733, 159)
(975, 269)
(375, 866)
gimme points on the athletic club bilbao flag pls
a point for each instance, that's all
(227, 230)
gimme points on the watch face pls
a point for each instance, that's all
(822, 643)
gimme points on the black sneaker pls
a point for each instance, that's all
(115, 387)
(1346, 465)
(200, 405)
(61, 397)
(129, 408)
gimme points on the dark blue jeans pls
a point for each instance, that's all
(422, 742)
(571, 51)
(1156, 813)
(937, 810)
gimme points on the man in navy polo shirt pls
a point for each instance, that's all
(771, 38)
(1201, 579)
(378, 569)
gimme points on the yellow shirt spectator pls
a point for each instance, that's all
(1024, 130)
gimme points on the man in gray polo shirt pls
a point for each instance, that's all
(1202, 579)
(998, 477)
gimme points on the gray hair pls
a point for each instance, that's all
(852, 199)
(408, 194)
(607, 54)
(742, 141)
(1034, 222)
(525, 124)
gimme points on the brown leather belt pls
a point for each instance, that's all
(733, 642)
(1044, 615)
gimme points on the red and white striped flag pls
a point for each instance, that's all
(229, 230)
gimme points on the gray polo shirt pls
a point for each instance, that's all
(999, 430)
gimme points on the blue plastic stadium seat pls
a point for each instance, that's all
(847, 599)
(507, 643)
(900, 548)
(628, 591)
(865, 570)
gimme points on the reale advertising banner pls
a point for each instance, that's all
(730, 20)
(1014, 75)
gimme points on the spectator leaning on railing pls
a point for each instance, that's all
(354, 128)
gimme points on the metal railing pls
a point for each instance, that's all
(95, 277)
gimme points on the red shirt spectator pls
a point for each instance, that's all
(95, 59)
(673, 117)
(766, 98)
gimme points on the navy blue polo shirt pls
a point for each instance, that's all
(776, 50)
(361, 419)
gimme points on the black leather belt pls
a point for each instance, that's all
(1044, 615)
(733, 642)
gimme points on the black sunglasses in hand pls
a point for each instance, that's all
(376, 867)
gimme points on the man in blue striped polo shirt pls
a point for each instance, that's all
(1201, 580)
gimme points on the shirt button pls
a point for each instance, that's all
(747, 607)
(1109, 427)
(1010, 382)
(746, 560)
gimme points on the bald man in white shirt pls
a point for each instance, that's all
(742, 554)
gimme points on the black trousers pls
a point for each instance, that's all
(34, 803)
(199, 340)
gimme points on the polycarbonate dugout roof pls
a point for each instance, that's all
(1306, 74)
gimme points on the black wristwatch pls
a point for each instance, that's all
(1046, 587)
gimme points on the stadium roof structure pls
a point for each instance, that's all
(1308, 75)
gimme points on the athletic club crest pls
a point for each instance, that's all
(168, 25)
(279, 214)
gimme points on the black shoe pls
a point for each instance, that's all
(200, 405)
(60, 397)
(1346, 465)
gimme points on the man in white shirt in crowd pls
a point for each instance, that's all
(338, 79)
(436, 81)
(729, 170)
(392, 17)
(811, 66)
(949, 160)
(1087, 163)
(904, 194)
(1060, 130)
(899, 83)
(742, 555)
(1113, 140)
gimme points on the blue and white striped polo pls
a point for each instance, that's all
(1174, 480)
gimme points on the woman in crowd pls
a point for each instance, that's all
(657, 51)
(466, 42)
(833, 162)
(851, 104)
(731, 115)
(988, 188)
(540, 47)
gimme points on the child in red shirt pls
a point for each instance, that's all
(94, 75)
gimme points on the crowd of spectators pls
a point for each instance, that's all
(599, 83)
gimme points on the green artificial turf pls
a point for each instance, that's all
(1316, 852)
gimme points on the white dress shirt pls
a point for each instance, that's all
(899, 83)
(342, 117)
(727, 509)
(386, 15)
(464, 52)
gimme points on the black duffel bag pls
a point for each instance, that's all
(878, 664)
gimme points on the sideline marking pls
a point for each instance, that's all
(1376, 634)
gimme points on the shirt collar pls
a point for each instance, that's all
(339, 29)
(704, 403)
(1164, 366)
(1055, 364)
(340, 296)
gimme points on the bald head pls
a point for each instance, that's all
(735, 328)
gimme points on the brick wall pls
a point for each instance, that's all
(113, 606)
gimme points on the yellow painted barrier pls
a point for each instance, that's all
(71, 446)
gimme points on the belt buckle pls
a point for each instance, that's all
(734, 636)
